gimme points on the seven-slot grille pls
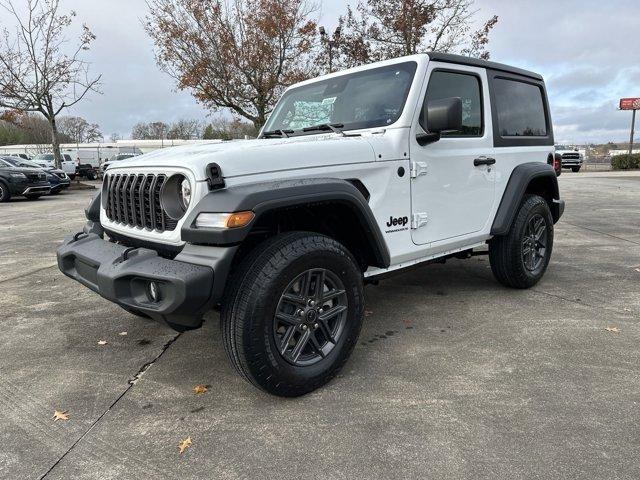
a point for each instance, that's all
(573, 155)
(134, 200)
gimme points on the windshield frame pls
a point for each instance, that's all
(409, 65)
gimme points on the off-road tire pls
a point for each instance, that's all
(91, 175)
(253, 294)
(506, 252)
(5, 193)
(575, 169)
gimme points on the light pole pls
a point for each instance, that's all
(330, 43)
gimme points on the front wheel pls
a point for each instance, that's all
(292, 313)
(520, 258)
(5, 193)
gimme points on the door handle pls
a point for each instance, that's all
(483, 161)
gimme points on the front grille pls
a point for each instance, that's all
(571, 155)
(35, 177)
(134, 200)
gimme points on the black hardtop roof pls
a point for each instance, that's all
(476, 62)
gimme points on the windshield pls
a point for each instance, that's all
(123, 156)
(562, 147)
(43, 156)
(367, 99)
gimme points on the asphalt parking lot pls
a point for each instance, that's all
(454, 376)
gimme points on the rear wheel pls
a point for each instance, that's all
(5, 193)
(292, 314)
(520, 258)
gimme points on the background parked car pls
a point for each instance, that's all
(48, 160)
(16, 181)
(24, 156)
(58, 180)
(87, 161)
(122, 156)
(571, 158)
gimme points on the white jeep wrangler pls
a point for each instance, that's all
(355, 175)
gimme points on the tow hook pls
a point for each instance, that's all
(77, 236)
(125, 254)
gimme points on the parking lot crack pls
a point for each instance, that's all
(602, 233)
(130, 385)
(26, 274)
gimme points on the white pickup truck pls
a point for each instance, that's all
(356, 175)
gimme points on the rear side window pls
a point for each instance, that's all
(446, 84)
(520, 109)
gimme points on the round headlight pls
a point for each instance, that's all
(176, 196)
(185, 193)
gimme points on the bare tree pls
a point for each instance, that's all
(382, 29)
(114, 137)
(234, 54)
(185, 129)
(149, 131)
(37, 72)
(228, 129)
(79, 129)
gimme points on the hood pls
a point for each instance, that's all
(26, 171)
(249, 157)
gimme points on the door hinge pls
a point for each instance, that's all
(418, 220)
(418, 168)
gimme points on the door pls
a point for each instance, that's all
(452, 185)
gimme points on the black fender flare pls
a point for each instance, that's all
(520, 179)
(263, 197)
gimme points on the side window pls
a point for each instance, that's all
(445, 84)
(520, 109)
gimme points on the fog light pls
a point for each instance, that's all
(154, 292)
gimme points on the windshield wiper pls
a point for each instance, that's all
(276, 133)
(334, 127)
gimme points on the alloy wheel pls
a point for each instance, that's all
(534, 243)
(310, 317)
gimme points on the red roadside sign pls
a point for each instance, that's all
(630, 104)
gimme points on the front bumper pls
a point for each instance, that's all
(61, 185)
(19, 186)
(571, 162)
(123, 275)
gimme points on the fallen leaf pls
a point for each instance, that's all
(367, 313)
(637, 270)
(122, 334)
(184, 444)
(102, 342)
(58, 415)
(200, 389)
(612, 329)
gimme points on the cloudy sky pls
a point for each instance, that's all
(587, 50)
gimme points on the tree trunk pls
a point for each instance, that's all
(55, 142)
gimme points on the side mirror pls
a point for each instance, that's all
(439, 116)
